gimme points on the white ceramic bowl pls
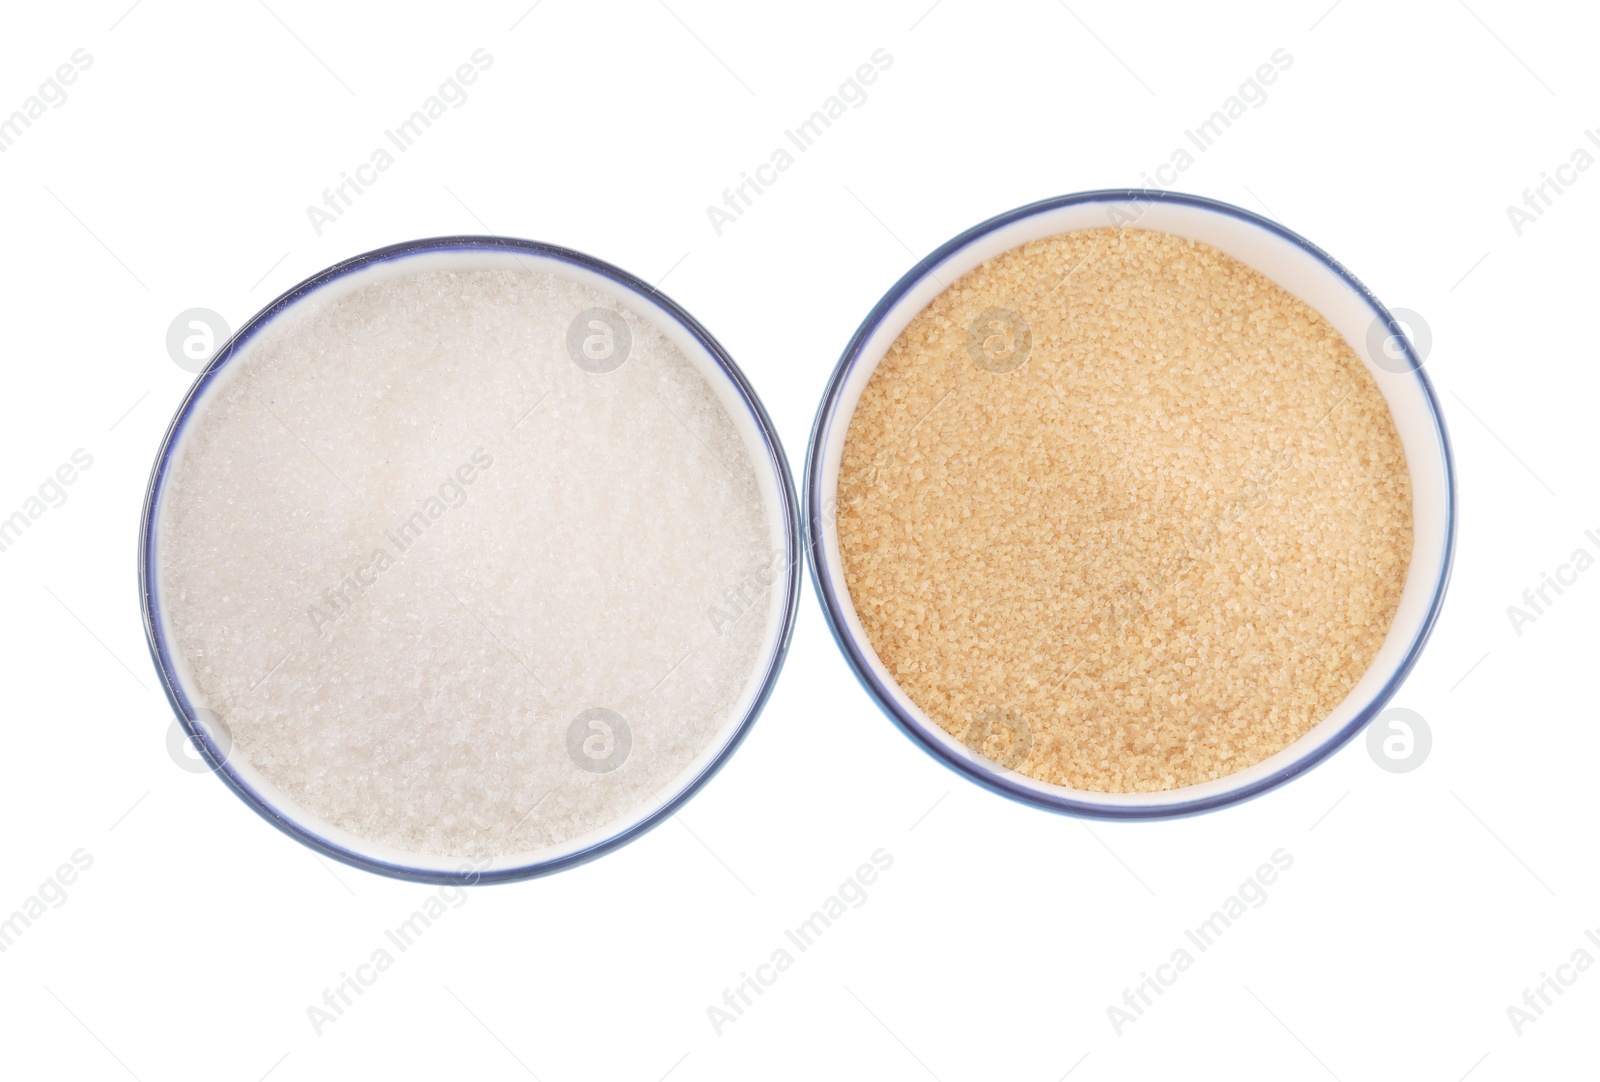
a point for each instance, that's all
(772, 476)
(1289, 260)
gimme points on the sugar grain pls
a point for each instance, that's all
(1122, 513)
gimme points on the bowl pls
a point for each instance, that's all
(1302, 269)
(754, 428)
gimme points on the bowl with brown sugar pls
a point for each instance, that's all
(1130, 503)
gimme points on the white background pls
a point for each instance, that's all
(1419, 906)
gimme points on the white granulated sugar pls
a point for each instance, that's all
(402, 653)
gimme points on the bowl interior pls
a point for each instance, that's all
(776, 488)
(1296, 266)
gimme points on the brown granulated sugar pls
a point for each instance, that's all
(1122, 513)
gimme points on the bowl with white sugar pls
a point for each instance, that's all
(469, 559)
(1131, 504)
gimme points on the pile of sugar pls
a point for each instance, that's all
(410, 539)
(1123, 514)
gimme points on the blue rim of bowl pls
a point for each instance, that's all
(160, 652)
(1004, 783)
